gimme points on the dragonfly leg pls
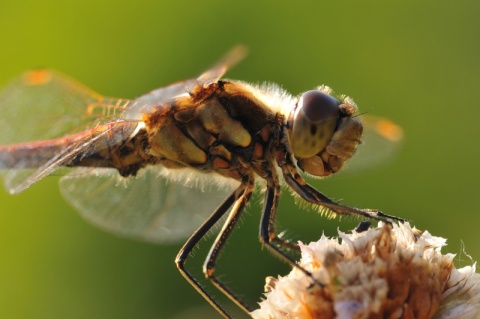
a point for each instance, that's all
(268, 235)
(297, 183)
(311, 195)
(210, 261)
(198, 235)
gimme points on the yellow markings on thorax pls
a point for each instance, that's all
(204, 125)
(170, 142)
(216, 119)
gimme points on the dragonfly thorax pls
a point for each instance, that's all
(221, 127)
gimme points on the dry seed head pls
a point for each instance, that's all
(386, 272)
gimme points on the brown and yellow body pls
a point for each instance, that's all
(221, 128)
(224, 128)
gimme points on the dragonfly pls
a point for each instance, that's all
(171, 163)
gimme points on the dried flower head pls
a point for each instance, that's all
(392, 271)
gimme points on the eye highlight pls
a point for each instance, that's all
(314, 122)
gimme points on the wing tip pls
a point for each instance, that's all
(37, 77)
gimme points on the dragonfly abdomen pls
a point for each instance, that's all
(29, 155)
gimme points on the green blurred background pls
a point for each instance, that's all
(414, 62)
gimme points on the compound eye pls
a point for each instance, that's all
(319, 107)
(314, 122)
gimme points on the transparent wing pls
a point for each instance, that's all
(154, 206)
(45, 104)
(156, 98)
(381, 140)
(42, 105)
(234, 56)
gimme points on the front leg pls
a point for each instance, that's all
(311, 195)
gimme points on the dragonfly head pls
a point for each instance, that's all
(322, 132)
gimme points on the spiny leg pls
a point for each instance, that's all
(284, 159)
(198, 235)
(310, 194)
(268, 234)
(210, 262)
